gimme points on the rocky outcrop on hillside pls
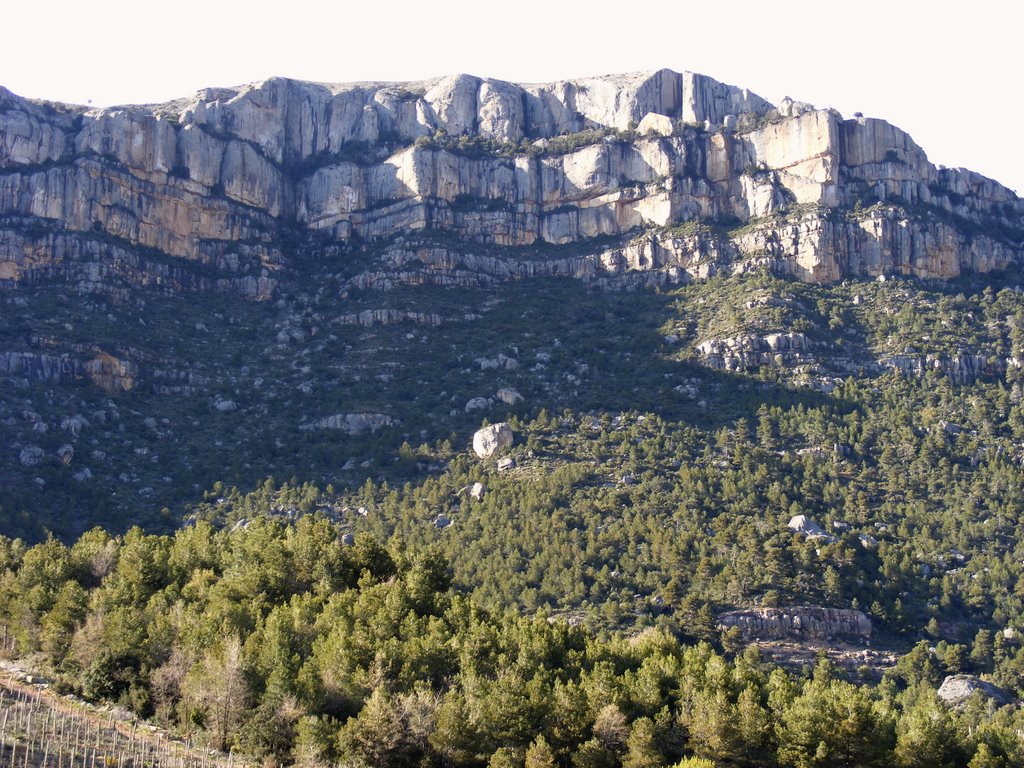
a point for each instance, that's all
(800, 622)
(741, 352)
(220, 190)
(107, 372)
(957, 689)
(961, 368)
(355, 423)
(645, 179)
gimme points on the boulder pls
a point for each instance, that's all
(477, 404)
(31, 456)
(867, 540)
(659, 125)
(804, 524)
(65, 453)
(509, 395)
(73, 425)
(476, 491)
(499, 362)
(225, 406)
(492, 439)
(790, 108)
(957, 689)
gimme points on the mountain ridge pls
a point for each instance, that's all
(355, 225)
(350, 434)
(216, 183)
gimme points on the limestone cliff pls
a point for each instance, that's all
(219, 191)
(800, 622)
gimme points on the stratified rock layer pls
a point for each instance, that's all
(216, 192)
(647, 179)
(802, 622)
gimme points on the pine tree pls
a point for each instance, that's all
(927, 735)
(540, 755)
(642, 746)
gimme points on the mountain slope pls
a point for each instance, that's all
(762, 367)
(242, 283)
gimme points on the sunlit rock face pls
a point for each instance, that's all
(214, 191)
(798, 622)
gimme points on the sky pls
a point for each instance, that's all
(945, 73)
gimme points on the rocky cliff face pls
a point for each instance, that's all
(217, 192)
(801, 622)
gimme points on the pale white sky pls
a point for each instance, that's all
(948, 73)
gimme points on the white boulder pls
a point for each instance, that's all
(31, 456)
(804, 524)
(957, 689)
(477, 404)
(652, 122)
(492, 439)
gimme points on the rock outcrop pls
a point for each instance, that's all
(212, 192)
(804, 524)
(737, 353)
(962, 368)
(957, 689)
(111, 374)
(355, 423)
(803, 622)
(649, 179)
(509, 395)
(105, 371)
(477, 404)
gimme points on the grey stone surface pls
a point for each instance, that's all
(492, 439)
(798, 622)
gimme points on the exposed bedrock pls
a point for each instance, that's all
(222, 185)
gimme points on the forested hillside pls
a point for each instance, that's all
(273, 640)
(622, 421)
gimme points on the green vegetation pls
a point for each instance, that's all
(651, 493)
(717, 461)
(277, 641)
(266, 530)
(483, 146)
